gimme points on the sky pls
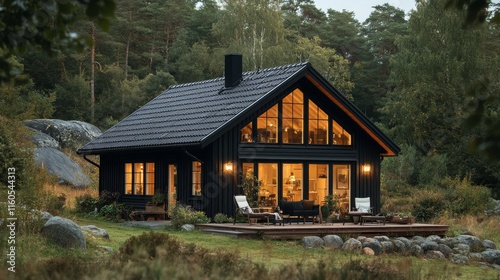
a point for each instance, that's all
(362, 8)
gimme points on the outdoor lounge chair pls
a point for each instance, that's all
(246, 211)
(362, 208)
(362, 204)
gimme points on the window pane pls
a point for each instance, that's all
(318, 125)
(342, 184)
(246, 135)
(267, 125)
(138, 178)
(196, 178)
(268, 176)
(318, 182)
(128, 178)
(292, 177)
(150, 178)
(340, 136)
(293, 114)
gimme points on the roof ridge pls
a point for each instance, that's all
(247, 73)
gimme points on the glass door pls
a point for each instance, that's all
(172, 185)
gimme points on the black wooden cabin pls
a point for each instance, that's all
(285, 126)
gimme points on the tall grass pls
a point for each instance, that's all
(70, 193)
(161, 256)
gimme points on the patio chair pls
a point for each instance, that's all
(362, 204)
(362, 207)
(246, 211)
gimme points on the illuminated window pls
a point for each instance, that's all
(140, 178)
(267, 126)
(246, 133)
(292, 181)
(268, 178)
(340, 136)
(318, 125)
(196, 178)
(293, 117)
(318, 182)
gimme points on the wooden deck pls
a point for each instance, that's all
(297, 231)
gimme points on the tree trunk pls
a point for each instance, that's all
(127, 49)
(92, 72)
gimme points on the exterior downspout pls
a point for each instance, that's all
(192, 156)
(93, 163)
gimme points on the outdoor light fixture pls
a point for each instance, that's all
(228, 167)
(366, 168)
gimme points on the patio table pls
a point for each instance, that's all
(356, 216)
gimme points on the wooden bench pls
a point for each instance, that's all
(372, 219)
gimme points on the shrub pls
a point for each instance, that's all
(184, 214)
(462, 197)
(86, 203)
(115, 211)
(428, 205)
(107, 198)
(147, 242)
(54, 204)
(222, 218)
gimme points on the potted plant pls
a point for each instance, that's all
(250, 185)
(330, 210)
(156, 204)
(157, 199)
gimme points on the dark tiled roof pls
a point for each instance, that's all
(188, 113)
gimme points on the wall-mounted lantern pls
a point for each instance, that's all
(228, 167)
(366, 168)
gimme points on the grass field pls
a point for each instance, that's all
(276, 254)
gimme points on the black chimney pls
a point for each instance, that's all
(233, 70)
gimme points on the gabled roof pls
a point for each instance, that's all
(191, 114)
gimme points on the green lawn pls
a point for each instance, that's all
(275, 254)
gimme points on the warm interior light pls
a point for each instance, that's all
(366, 168)
(228, 167)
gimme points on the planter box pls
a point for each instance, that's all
(403, 220)
(156, 209)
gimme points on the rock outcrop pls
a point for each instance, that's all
(60, 165)
(70, 135)
(51, 135)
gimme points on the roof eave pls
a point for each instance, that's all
(136, 148)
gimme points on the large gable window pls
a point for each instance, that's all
(140, 178)
(287, 120)
(293, 117)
